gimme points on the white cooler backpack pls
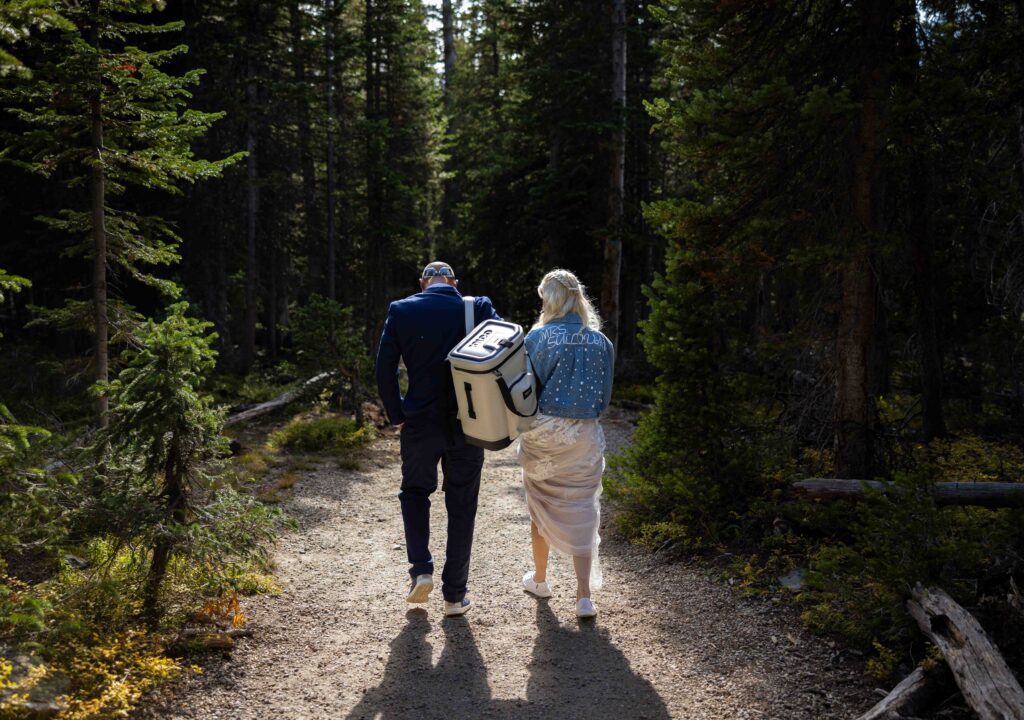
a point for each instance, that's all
(494, 382)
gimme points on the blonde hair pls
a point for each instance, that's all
(562, 293)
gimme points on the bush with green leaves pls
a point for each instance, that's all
(864, 559)
(322, 433)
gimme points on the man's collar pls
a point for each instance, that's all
(442, 286)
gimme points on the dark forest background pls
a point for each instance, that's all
(803, 222)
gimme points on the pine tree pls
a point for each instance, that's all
(99, 112)
(780, 144)
(17, 19)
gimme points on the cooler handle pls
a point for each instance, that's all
(469, 400)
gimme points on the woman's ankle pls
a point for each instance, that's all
(539, 577)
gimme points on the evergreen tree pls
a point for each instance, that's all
(160, 456)
(99, 112)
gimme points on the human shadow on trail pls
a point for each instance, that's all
(574, 672)
(413, 688)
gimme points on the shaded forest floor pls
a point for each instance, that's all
(340, 642)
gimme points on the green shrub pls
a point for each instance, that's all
(322, 433)
(857, 585)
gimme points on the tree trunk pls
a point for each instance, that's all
(314, 250)
(247, 352)
(276, 262)
(99, 228)
(226, 352)
(374, 161)
(922, 248)
(921, 242)
(986, 682)
(916, 692)
(451, 190)
(313, 383)
(175, 494)
(982, 494)
(854, 406)
(332, 260)
(448, 33)
(610, 291)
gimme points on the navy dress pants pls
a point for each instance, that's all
(425, 443)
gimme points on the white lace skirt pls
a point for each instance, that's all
(563, 461)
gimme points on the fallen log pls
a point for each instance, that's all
(916, 692)
(984, 494)
(982, 675)
(279, 402)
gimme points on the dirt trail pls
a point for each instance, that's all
(341, 642)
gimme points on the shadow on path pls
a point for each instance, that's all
(574, 672)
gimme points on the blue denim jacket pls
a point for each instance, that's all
(574, 365)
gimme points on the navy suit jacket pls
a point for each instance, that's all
(421, 330)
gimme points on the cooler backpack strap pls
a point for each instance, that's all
(467, 304)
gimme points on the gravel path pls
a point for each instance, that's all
(341, 642)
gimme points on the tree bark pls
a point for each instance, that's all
(270, 302)
(175, 494)
(451, 189)
(854, 406)
(916, 692)
(247, 351)
(982, 494)
(332, 260)
(374, 161)
(278, 402)
(921, 242)
(986, 682)
(448, 36)
(610, 290)
(922, 248)
(99, 228)
(314, 250)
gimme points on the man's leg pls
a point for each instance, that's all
(461, 465)
(421, 449)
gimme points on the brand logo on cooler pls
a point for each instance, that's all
(480, 338)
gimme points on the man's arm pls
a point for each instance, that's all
(485, 310)
(388, 355)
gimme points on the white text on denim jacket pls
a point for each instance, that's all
(558, 336)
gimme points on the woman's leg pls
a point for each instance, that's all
(540, 554)
(581, 563)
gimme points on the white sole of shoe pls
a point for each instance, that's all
(457, 610)
(588, 611)
(420, 593)
(532, 587)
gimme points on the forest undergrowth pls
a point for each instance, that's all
(78, 639)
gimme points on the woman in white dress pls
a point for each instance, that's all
(562, 455)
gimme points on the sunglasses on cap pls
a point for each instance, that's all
(444, 271)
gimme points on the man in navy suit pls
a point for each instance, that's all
(421, 330)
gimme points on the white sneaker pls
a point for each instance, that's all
(420, 589)
(585, 608)
(457, 608)
(540, 589)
